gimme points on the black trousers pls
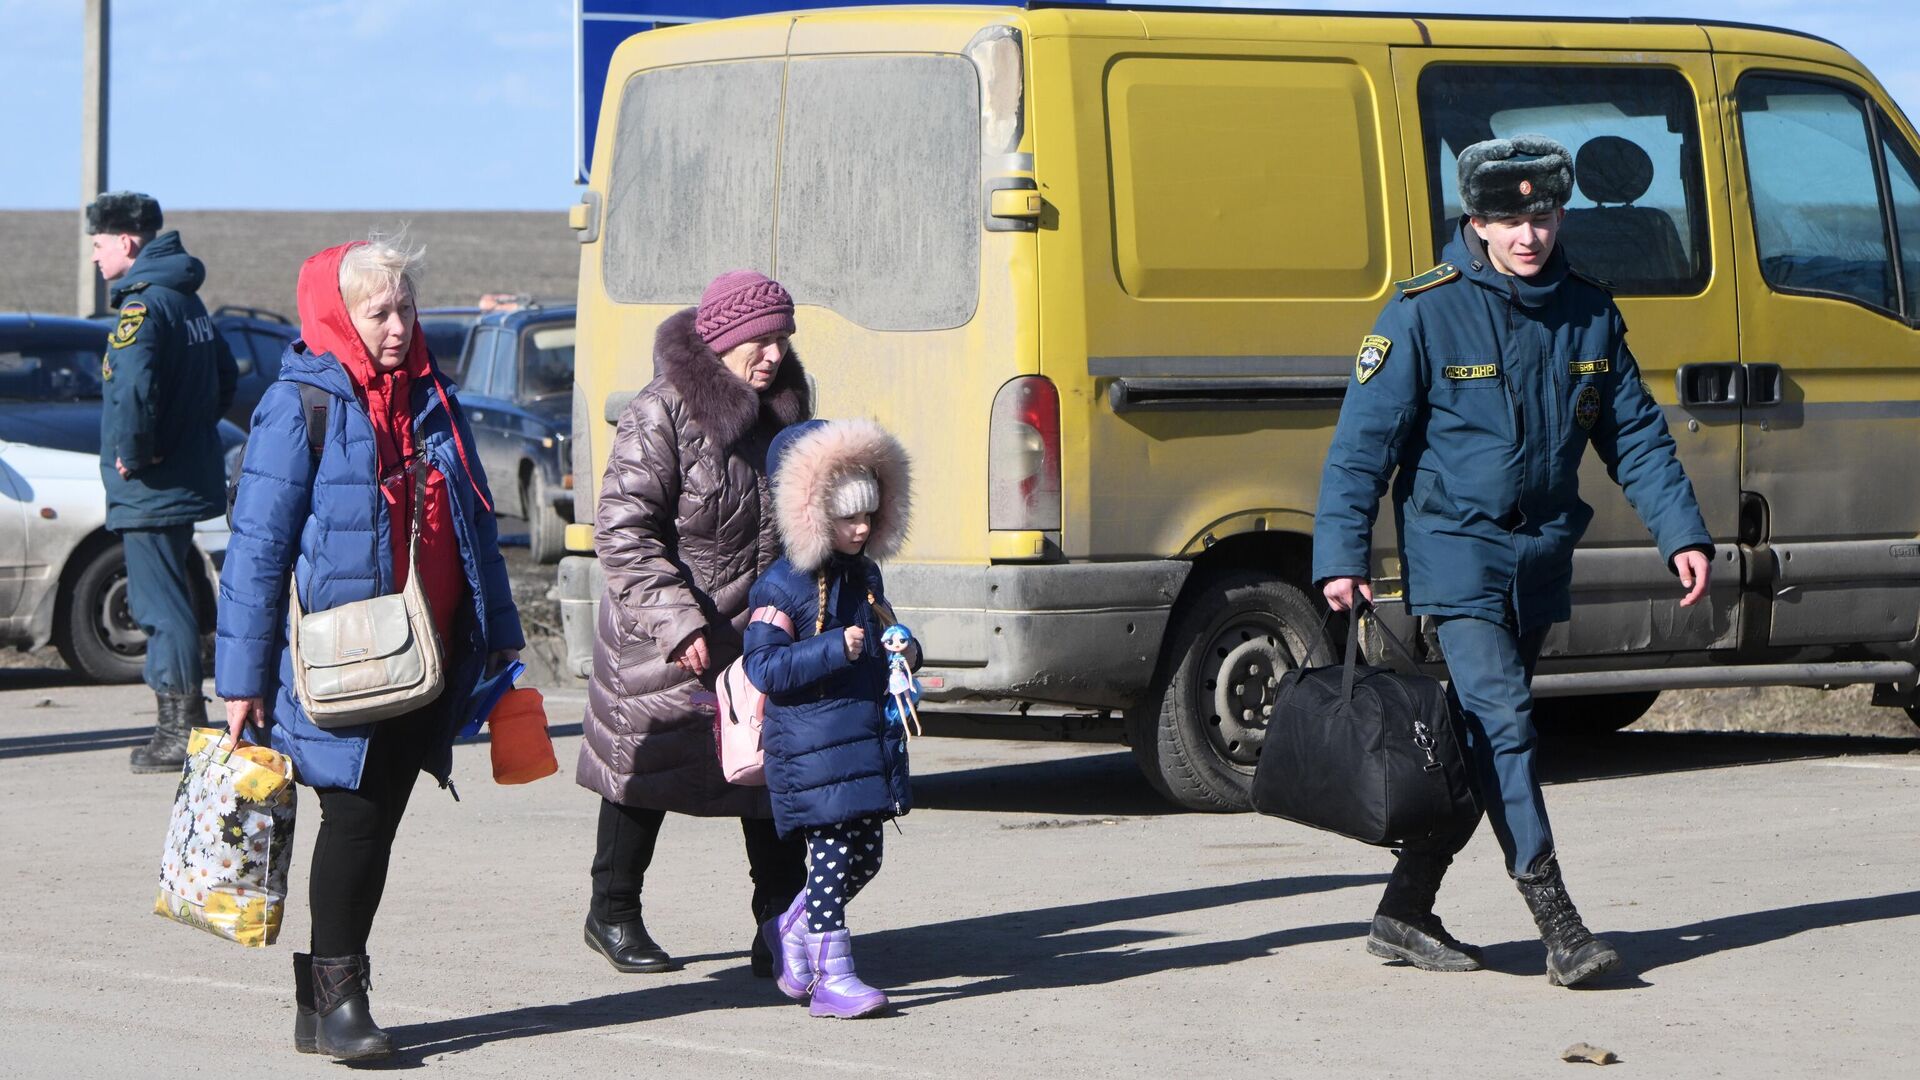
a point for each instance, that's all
(624, 850)
(357, 827)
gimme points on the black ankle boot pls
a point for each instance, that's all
(166, 751)
(1573, 954)
(627, 946)
(1405, 927)
(344, 1028)
(305, 1020)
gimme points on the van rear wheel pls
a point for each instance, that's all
(1198, 734)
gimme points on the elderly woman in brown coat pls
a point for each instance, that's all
(683, 528)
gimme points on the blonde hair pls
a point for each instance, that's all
(387, 262)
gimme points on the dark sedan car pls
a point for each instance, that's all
(257, 339)
(516, 383)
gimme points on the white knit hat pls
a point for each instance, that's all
(857, 492)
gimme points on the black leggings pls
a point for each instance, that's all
(841, 859)
(357, 826)
(624, 850)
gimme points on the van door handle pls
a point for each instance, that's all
(1718, 385)
(1764, 382)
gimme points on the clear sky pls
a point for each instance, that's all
(468, 104)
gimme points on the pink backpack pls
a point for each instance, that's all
(742, 712)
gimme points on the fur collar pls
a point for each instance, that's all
(725, 408)
(803, 479)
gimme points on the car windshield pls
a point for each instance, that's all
(57, 370)
(547, 367)
(445, 338)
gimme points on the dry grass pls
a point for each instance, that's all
(254, 256)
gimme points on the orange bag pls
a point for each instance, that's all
(522, 751)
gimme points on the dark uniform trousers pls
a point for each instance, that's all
(1490, 667)
(161, 565)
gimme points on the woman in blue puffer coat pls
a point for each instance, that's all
(335, 517)
(836, 766)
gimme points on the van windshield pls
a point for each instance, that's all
(874, 211)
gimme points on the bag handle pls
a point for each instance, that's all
(1363, 606)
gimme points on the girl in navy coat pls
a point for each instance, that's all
(836, 767)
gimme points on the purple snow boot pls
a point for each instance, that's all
(785, 935)
(837, 991)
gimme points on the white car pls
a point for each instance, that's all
(63, 577)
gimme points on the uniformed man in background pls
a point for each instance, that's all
(167, 377)
(1477, 394)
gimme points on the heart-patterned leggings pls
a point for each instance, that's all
(841, 859)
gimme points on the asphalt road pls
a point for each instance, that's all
(1040, 915)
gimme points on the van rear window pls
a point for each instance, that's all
(1638, 214)
(874, 211)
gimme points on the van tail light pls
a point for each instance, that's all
(1023, 456)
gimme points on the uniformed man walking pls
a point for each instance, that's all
(1477, 393)
(168, 376)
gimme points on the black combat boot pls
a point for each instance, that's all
(166, 751)
(627, 946)
(344, 1028)
(305, 1020)
(1574, 955)
(1405, 927)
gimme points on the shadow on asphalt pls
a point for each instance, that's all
(1044, 948)
(40, 678)
(1093, 784)
(1644, 951)
(1567, 760)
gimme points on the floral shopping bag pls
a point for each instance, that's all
(224, 868)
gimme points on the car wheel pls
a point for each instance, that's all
(95, 631)
(546, 526)
(1591, 714)
(1198, 735)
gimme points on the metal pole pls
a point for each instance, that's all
(93, 146)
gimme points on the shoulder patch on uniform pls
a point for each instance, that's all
(1471, 371)
(1586, 408)
(132, 314)
(1439, 275)
(1587, 367)
(1372, 357)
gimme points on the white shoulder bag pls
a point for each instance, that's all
(371, 659)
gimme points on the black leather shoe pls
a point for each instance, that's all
(627, 947)
(166, 750)
(1428, 951)
(306, 1022)
(344, 1028)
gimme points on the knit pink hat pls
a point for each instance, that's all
(742, 305)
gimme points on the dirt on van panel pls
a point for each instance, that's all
(253, 257)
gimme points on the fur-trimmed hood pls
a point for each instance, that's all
(725, 407)
(807, 459)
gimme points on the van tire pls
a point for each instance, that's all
(1238, 621)
(546, 528)
(1591, 714)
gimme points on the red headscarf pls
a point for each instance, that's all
(327, 327)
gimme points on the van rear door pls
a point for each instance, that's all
(1649, 214)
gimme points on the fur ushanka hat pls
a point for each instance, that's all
(1513, 178)
(820, 463)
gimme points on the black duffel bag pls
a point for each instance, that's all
(1365, 752)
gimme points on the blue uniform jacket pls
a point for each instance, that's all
(332, 531)
(1483, 391)
(831, 755)
(166, 379)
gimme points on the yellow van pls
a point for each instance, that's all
(1104, 271)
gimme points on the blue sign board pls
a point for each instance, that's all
(601, 25)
